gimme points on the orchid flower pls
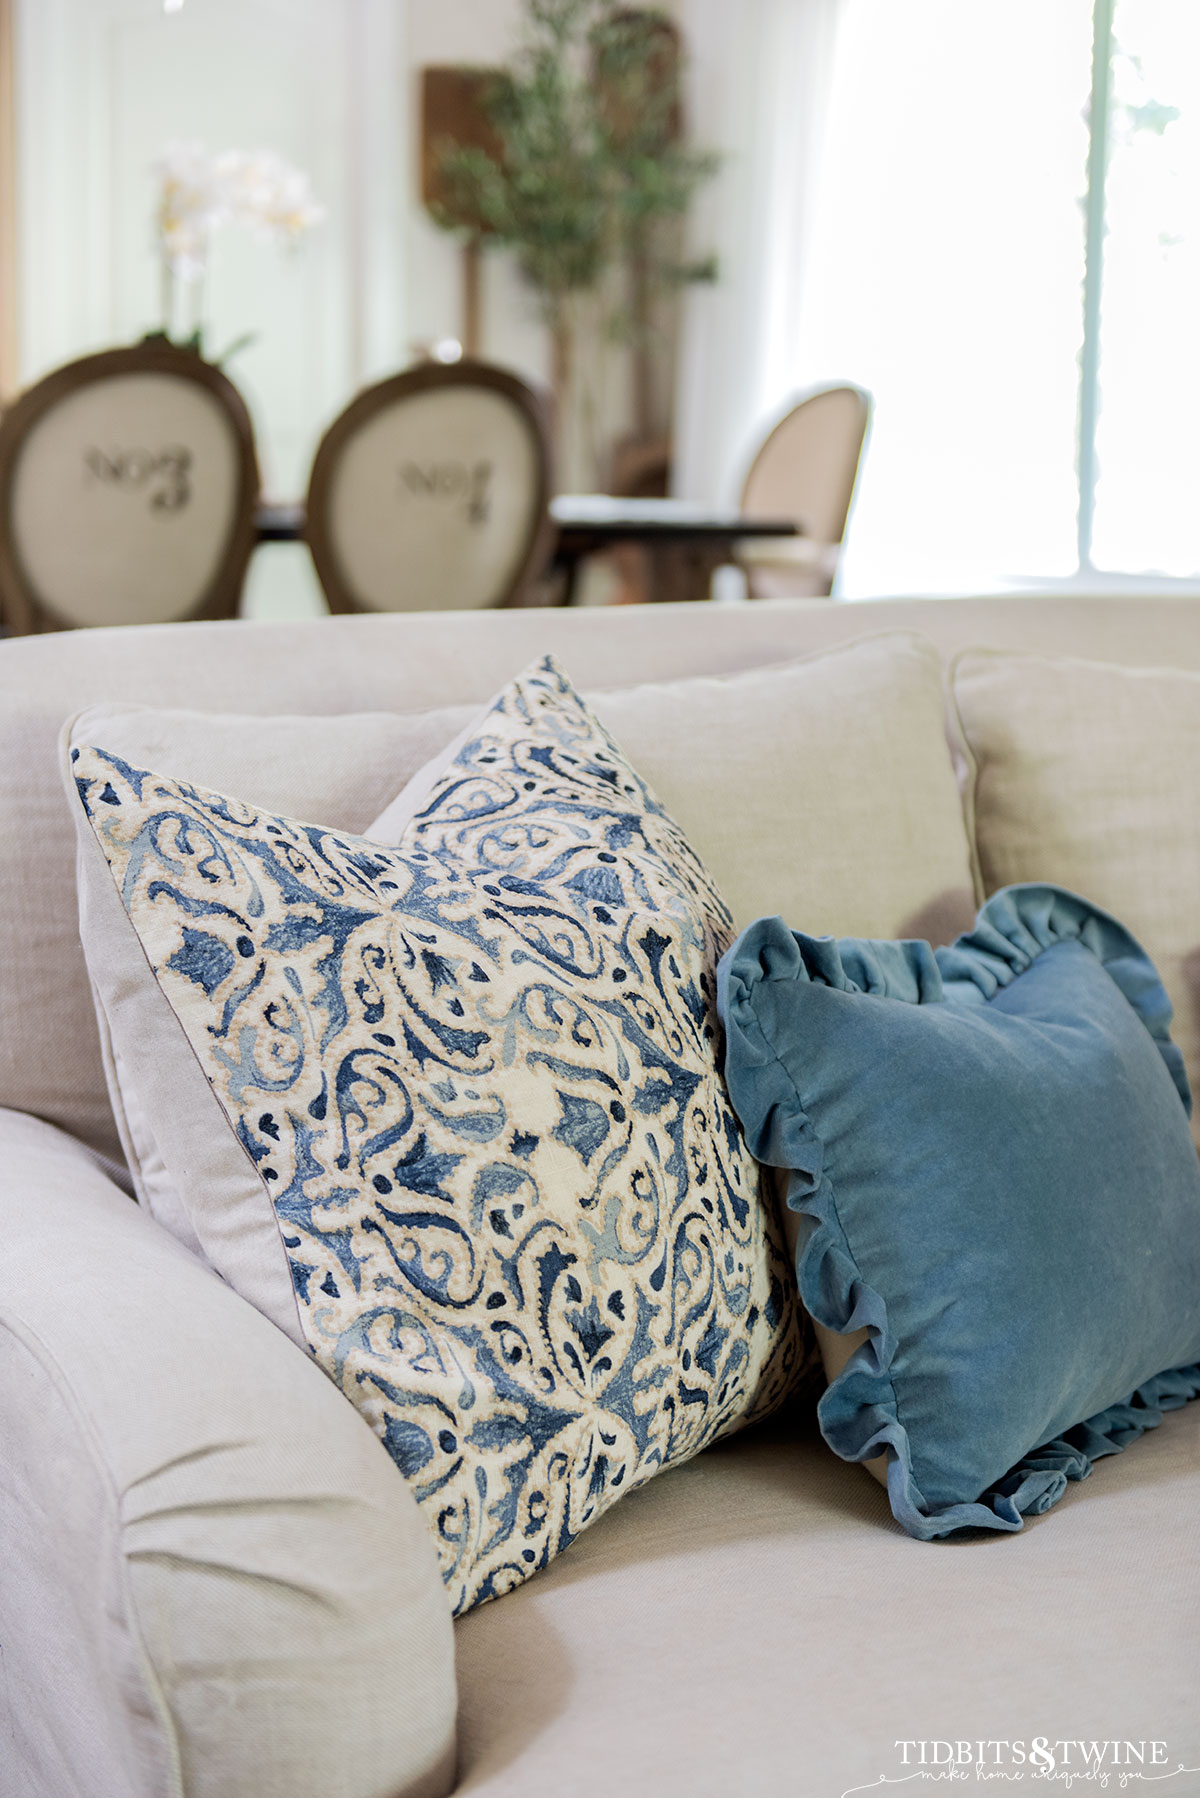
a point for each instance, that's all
(199, 191)
(268, 194)
(191, 202)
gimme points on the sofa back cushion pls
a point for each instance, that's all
(1087, 775)
(49, 1049)
(820, 789)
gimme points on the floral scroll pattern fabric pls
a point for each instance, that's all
(476, 1075)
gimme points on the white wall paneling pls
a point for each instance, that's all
(8, 212)
(103, 84)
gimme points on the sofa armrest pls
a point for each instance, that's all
(213, 1582)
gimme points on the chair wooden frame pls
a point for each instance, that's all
(429, 375)
(21, 611)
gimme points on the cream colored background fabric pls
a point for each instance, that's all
(820, 789)
(53, 1067)
(1089, 776)
(214, 1583)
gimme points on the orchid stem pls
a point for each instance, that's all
(167, 294)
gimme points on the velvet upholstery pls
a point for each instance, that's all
(989, 1151)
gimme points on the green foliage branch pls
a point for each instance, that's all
(590, 164)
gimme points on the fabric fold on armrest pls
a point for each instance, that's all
(215, 1581)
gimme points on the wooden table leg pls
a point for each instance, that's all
(682, 571)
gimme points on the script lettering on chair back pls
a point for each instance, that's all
(462, 484)
(123, 500)
(160, 475)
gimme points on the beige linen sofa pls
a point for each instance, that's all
(213, 1580)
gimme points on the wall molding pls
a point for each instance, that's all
(9, 343)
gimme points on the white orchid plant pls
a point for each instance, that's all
(198, 192)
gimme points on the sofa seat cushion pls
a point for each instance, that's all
(755, 1622)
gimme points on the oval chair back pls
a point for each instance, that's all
(805, 469)
(431, 492)
(128, 488)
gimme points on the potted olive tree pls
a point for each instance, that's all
(585, 179)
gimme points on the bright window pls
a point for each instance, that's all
(1147, 511)
(948, 276)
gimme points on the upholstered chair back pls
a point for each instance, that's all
(431, 493)
(128, 483)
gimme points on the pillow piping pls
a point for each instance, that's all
(859, 1412)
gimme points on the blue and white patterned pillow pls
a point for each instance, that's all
(475, 1078)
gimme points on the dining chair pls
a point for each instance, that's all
(128, 487)
(806, 469)
(431, 492)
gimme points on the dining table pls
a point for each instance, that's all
(679, 542)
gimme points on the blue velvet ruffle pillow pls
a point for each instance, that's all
(989, 1155)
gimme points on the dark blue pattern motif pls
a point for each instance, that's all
(477, 1078)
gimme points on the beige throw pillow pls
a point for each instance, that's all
(1087, 775)
(819, 789)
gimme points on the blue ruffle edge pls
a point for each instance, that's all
(858, 1410)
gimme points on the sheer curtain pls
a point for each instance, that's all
(760, 76)
(902, 208)
(947, 277)
(1147, 445)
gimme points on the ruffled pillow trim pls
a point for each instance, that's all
(1019, 923)
(858, 1412)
